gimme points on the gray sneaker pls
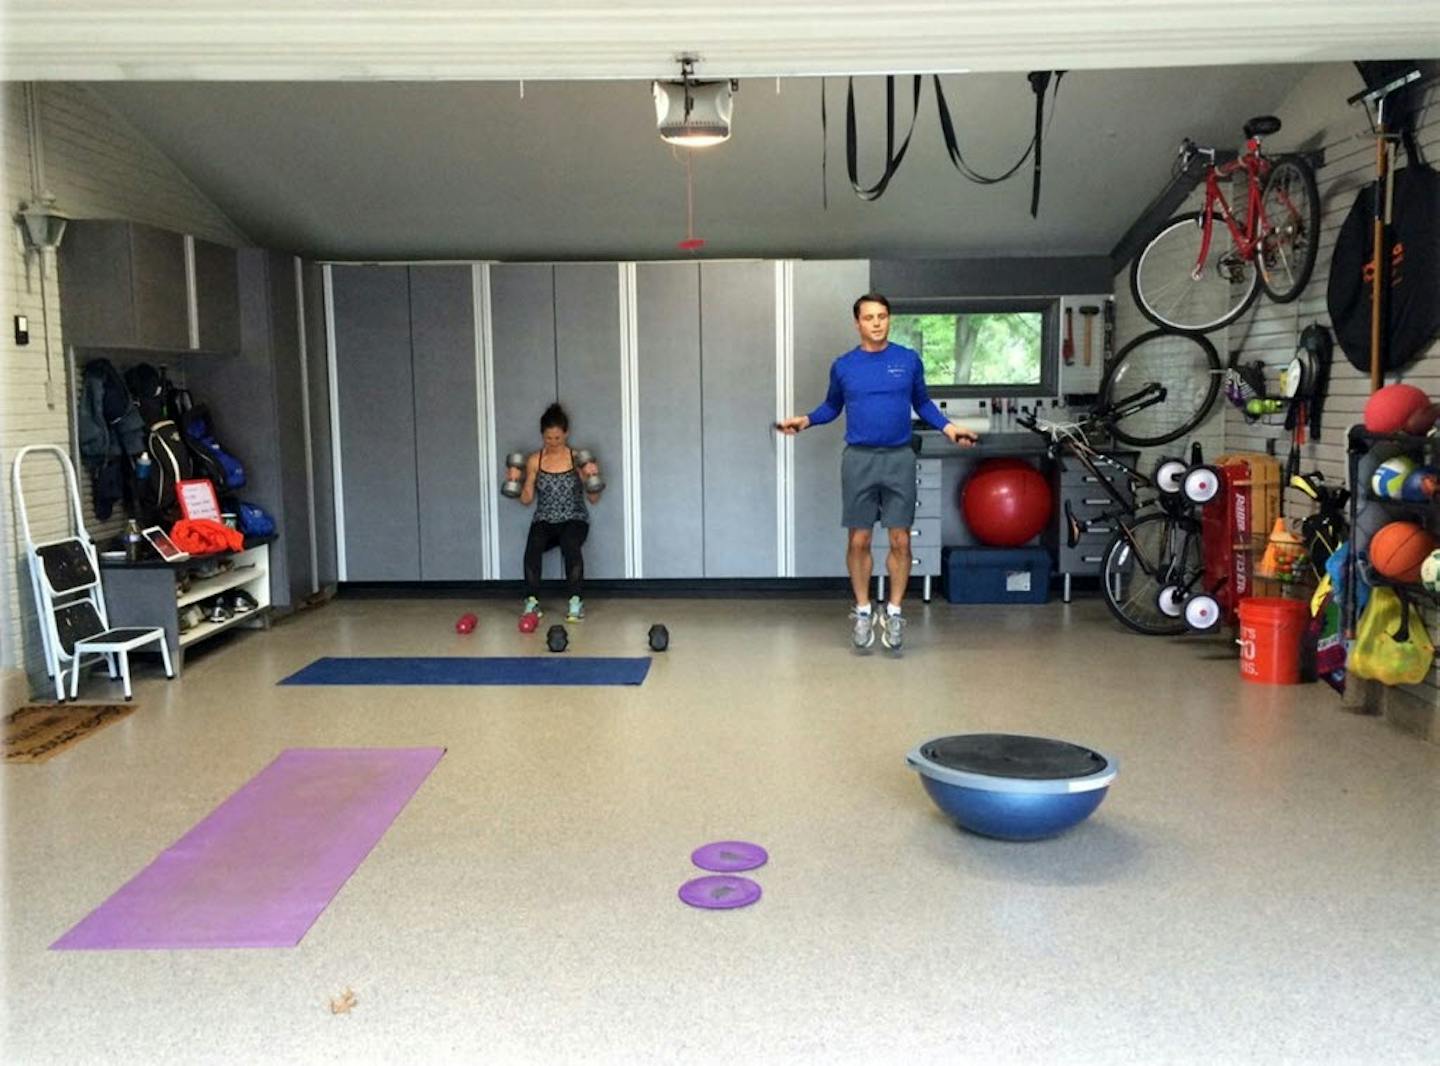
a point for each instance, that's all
(892, 631)
(863, 633)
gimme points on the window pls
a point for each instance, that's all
(980, 348)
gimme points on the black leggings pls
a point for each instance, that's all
(546, 535)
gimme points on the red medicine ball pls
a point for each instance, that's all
(1006, 502)
(1390, 408)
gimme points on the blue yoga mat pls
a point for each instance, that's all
(500, 670)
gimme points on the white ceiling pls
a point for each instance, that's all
(568, 39)
(576, 169)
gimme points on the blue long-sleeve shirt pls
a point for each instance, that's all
(879, 389)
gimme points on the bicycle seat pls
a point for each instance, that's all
(1262, 126)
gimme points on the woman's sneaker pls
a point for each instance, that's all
(532, 606)
(863, 627)
(892, 631)
(576, 611)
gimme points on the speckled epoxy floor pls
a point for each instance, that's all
(1261, 885)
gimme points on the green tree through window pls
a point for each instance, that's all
(987, 348)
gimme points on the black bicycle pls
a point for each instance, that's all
(1151, 571)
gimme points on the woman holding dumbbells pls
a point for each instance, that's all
(558, 480)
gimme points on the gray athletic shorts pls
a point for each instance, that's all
(877, 484)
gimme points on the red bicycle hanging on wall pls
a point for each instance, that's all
(1193, 276)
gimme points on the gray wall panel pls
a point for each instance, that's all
(824, 328)
(672, 532)
(290, 426)
(240, 392)
(737, 394)
(442, 332)
(522, 311)
(377, 422)
(318, 377)
(217, 296)
(587, 346)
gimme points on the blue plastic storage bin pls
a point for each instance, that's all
(996, 575)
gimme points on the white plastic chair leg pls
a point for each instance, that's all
(75, 675)
(165, 659)
(125, 672)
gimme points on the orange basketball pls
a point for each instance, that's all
(1398, 550)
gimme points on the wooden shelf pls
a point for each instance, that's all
(209, 629)
(206, 587)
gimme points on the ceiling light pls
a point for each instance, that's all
(693, 114)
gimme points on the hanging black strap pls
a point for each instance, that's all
(1401, 635)
(893, 158)
(947, 131)
(824, 152)
(1039, 82)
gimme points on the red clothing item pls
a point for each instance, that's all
(205, 536)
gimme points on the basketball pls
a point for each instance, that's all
(1006, 502)
(1430, 572)
(1399, 550)
(1388, 481)
(1388, 410)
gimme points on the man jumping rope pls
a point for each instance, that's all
(879, 383)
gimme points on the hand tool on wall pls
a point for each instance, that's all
(1067, 349)
(1089, 311)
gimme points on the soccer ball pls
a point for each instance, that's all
(1388, 481)
(1430, 571)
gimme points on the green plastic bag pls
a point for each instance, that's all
(1391, 645)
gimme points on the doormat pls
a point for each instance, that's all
(40, 731)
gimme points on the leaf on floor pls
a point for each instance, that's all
(344, 1003)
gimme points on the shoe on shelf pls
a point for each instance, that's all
(862, 630)
(892, 631)
(532, 606)
(576, 610)
(241, 602)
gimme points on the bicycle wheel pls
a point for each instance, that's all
(1139, 562)
(1186, 365)
(1171, 293)
(1290, 205)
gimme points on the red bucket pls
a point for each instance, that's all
(1270, 632)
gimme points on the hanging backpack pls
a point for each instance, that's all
(211, 459)
(1414, 276)
(169, 463)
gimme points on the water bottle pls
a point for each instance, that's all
(142, 467)
(133, 539)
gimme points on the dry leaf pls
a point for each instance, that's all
(344, 1003)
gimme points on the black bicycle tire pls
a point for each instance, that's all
(1213, 360)
(1176, 626)
(1194, 218)
(1312, 189)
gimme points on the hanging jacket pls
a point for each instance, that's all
(110, 433)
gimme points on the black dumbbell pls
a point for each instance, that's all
(594, 483)
(514, 461)
(556, 639)
(659, 637)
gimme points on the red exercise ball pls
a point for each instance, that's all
(1398, 549)
(1390, 408)
(1006, 502)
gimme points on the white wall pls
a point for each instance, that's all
(98, 167)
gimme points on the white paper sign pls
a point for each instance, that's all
(1017, 580)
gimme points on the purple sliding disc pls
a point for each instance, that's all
(729, 856)
(720, 892)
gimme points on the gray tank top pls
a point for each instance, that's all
(560, 498)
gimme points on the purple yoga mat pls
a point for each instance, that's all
(262, 866)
